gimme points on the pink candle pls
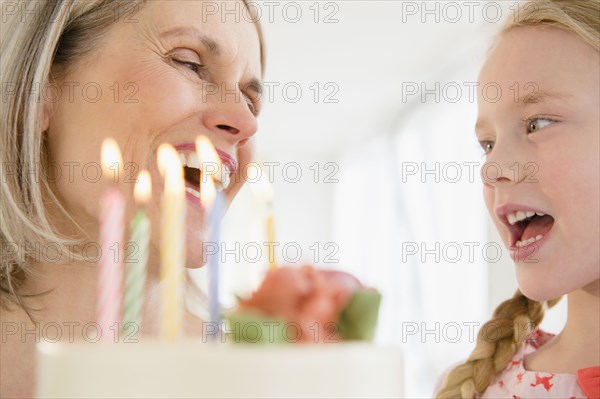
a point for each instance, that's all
(110, 273)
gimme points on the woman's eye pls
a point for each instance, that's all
(192, 66)
(251, 104)
(487, 146)
(535, 124)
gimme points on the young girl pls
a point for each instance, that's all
(541, 187)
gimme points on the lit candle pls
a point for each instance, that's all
(172, 245)
(110, 273)
(263, 192)
(213, 201)
(138, 257)
(270, 227)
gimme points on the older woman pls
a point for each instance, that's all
(74, 73)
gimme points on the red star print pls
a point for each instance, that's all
(544, 381)
(501, 384)
(514, 364)
(520, 378)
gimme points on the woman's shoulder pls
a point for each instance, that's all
(19, 336)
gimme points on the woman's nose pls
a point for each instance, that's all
(227, 113)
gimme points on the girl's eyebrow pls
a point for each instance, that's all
(480, 125)
(210, 44)
(539, 96)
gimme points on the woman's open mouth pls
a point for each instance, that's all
(193, 175)
(527, 231)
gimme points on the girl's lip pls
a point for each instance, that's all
(519, 254)
(227, 159)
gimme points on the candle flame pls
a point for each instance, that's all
(206, 151)
(261, 188)
(170, 167)
(110, 155)
(208, 157)
(143, 188)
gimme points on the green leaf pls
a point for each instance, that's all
(255, 328)
(359, 319)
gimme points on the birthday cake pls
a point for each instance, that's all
(304, 333)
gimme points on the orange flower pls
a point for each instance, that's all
(310, 297)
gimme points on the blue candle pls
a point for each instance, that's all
(216, 214)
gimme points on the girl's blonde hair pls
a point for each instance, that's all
(37, 37)
(500, 338)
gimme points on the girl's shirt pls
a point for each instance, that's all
(517, 383)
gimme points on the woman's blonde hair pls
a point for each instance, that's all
(514, 319)
(40, 37)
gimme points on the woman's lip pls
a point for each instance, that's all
(227, 159)
(519, 254)
(196, 202)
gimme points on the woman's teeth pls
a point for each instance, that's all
(222, 177)
(520, 216)
(529, 241)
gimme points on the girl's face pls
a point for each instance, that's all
(165, 74)
(539, 125)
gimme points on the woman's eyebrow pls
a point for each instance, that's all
(255, 85)
(210, 44)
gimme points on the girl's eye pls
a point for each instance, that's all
(535, 124)
(487, 146)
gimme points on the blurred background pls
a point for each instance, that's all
(367, 162)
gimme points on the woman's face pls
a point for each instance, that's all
(541, 179)
(165, 74)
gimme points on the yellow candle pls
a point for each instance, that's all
(271, 236)
(263, 192)
(172, 244)
(267, 195)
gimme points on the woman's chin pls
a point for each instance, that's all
(198, 250)
(197, 256)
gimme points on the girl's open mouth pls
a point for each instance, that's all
(528, 230)
(528, 227)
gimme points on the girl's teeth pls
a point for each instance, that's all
(529, 241)
(521, 215)
(182, 159)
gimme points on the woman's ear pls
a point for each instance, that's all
(49, 98)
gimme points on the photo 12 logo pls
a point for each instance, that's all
(317, 12)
